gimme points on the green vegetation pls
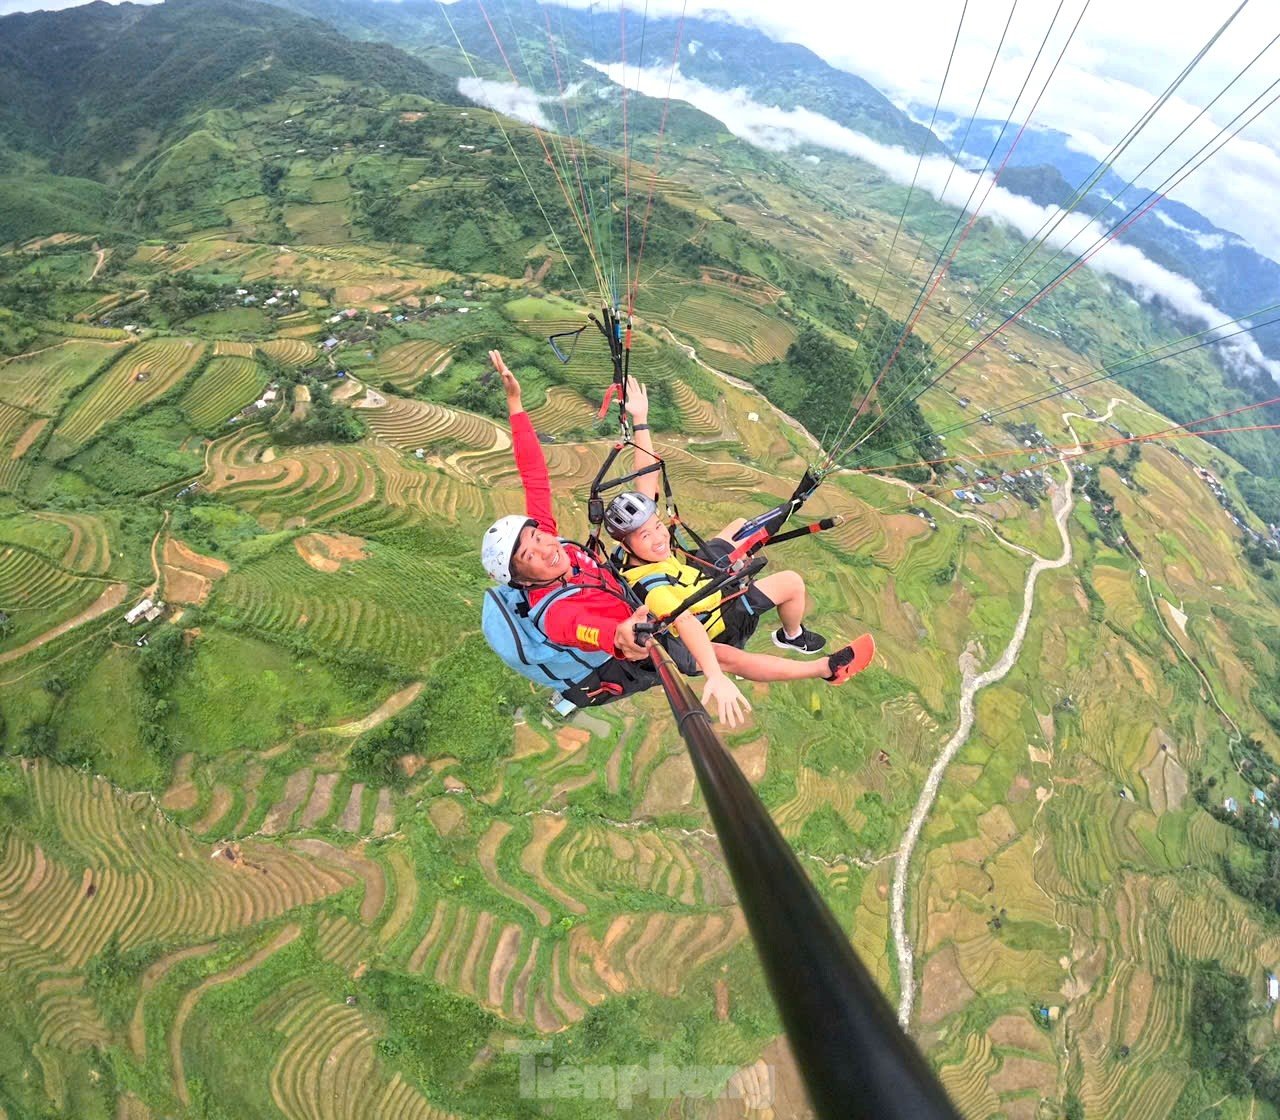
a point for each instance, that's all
(324, 422)
(35, 204)
(818, 380)
(466, 704)
(140, 454)
(1262, 495)
(1218, 1019)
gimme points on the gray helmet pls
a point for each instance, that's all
(627, 512)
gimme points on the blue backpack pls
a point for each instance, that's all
(514, 632)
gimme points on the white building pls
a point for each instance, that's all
(138, 611)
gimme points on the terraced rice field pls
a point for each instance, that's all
(329, 1068)
(41, 381)
(18, 429)
(738, 335)
(652, 362)
(395, 604)
(225, 386)
(1155, 928)
(752, 289)
(429, 491)
(148, 370)
(697, 417)
(549, 984)
(563, 411)
(408, 363)
(84, 330)
(409, 424)
(290, 351)
(123, 872)
(89, 547)
(36, 595)
(573, 466)
(308, 487)
(586, 865)
(99, 308)
(299, 324)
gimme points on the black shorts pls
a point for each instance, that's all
(741, 615)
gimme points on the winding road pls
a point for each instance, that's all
(972, 682)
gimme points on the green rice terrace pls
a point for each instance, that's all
(279, 835)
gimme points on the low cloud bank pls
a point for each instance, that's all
(506, 98)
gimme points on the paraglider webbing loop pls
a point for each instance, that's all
(855, 1060)
(573, 334)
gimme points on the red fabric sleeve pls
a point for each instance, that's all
(532, 465)
(587, 620)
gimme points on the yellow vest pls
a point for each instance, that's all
(668, 583)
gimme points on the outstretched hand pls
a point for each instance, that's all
(731, 706)
(509, 383)
(637, 401)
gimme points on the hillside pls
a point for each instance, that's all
(714, 51)
(298, 847)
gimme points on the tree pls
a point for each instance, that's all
(1217, 1021)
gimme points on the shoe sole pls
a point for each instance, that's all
(796, 649)
(864, 650)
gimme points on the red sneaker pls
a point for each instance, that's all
(851, 660)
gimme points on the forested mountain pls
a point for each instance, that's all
(91, 87)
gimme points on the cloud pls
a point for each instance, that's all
(1208, 241)
(784, 130)
(519, 102)
(511, 100)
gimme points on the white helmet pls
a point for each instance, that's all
(627, 512)
(499, 545)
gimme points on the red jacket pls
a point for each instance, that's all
(588, 619)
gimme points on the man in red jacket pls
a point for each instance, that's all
(528, 551)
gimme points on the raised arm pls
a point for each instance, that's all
(638, 408)
(530, 461)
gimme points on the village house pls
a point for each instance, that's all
(138, 611)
